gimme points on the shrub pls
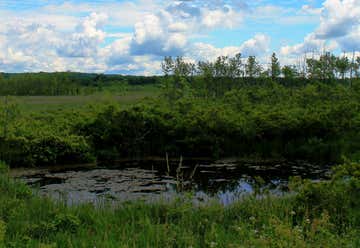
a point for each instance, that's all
(4, 168)
(2, 231)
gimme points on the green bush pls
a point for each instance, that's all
(2, 232)
(4, 168)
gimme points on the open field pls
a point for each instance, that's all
(48, 103)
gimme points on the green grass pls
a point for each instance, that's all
(127, 97)
(291, 221)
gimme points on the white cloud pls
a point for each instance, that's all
(338, 29)
(85, 42)
(351, 42)
(257, 46)
(309, 45)
(224, 17)
(338, 18)
(168, 31)
(118, 53)
(35, 47)
(59, 37)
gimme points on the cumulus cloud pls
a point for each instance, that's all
(85, 42)
(44, 47)
(257, 46)
(118, 52)
(340, 22)
(338, 18)
(152, 36)
(350, 42)
(168, 31)
(339, 28)
(310, 44)
(131, 37)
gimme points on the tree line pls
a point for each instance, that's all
(65, 83)
(214, 78)
(327, 66)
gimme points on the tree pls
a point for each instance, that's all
(252, 67)
(177, 73)
(357, 67)
(342, 66)
(207, 81)
(322, 68)
(167, 65)
(289, 71)
(275, 67)
(327, 63)
(235, 66)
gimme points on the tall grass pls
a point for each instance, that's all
(318, 215)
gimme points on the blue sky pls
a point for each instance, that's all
(132, 37)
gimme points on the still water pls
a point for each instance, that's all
(152, 180)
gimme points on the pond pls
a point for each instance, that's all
(156, 179)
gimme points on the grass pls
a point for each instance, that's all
(48, 103)
(292, 221)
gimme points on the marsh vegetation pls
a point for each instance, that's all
(203, 113)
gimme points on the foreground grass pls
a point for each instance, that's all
(319, 215)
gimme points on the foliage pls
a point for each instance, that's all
(4, 168)
(315, 122)
(2, 232)
(275, 67)
(66, 83)
(314, 215)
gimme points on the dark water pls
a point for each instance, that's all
(153, 180)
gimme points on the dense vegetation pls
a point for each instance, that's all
(317, 122)
(209, 110)
(323, 214)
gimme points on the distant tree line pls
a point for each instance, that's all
(214, 78)
(327, 66)
(64, 83)
(209, 78)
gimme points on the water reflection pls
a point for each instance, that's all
(152, 180)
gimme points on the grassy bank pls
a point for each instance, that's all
(319, 215)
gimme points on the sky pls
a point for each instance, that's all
(132, 37)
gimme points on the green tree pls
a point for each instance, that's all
(177, 73)
(342, 66)
(322, 68)
(167, 65)
(235, 66)
(357, 67)
(275, 67)
(252, 67)
(289, 71)
(327, 63)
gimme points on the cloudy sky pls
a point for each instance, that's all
(132, 37)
